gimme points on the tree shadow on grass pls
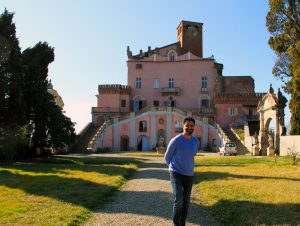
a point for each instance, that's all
(72, 190)
(251, 213)
(209, 176)
(110, 170)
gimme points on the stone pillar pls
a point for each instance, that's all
(169, 127)
(153, 129)
(132, 141)
(277, 134)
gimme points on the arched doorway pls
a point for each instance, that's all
(271, 114)
(143, 143)
(124, 143)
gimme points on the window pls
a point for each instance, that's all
(156, 83)
(204, 84)
(205, 103)
(172, 58)
(138, 66)
(178, 127)
(232, 111)
(171, 82)
(143, 126)
(138, 105)
(138, 83)
(170, 103)
(123, 103)
(155, 103)
(172, 55)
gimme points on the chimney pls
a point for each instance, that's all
(129, 53)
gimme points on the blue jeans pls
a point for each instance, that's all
(182, 188)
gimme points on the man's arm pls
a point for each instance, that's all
(170, 151)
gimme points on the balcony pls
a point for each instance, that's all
(204, 90)
(203, 110)
(166, 91)
(109, 109)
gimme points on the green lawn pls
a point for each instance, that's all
(58, 191)
(249, 191)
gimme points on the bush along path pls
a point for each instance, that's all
(146, 199)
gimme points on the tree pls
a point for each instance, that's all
(283, 22)
(11, 74)
(49, 127)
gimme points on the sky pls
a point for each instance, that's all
(90, 38)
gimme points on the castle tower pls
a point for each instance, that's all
(189, 35)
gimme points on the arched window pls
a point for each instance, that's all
(138, 103)
(172, 55)
(204, 101)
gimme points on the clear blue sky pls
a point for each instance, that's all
(90, 38)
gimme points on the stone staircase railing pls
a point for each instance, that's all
(95, 141)
(93, 144)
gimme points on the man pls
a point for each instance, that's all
(180, 159)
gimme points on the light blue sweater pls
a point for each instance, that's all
(180, 154)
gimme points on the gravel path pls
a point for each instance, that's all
(146, 199)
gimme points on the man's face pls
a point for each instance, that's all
(188, 128)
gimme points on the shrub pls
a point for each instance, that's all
(13, 143)
(293, 154)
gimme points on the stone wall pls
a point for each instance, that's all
(289, 142)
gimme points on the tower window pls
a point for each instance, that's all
(204, 83)
(138, 83)
(156, 83)
(138, 66)
(171, 82)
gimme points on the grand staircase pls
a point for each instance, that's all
(84, 137)
(241, 149)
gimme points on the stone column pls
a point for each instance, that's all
(153, 130)
(169, 127)
(277, 134)
(132, 141)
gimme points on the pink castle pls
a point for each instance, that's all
(165, 85)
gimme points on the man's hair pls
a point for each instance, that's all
(189, 119)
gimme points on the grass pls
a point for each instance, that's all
(59, 191)
(249, 191)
